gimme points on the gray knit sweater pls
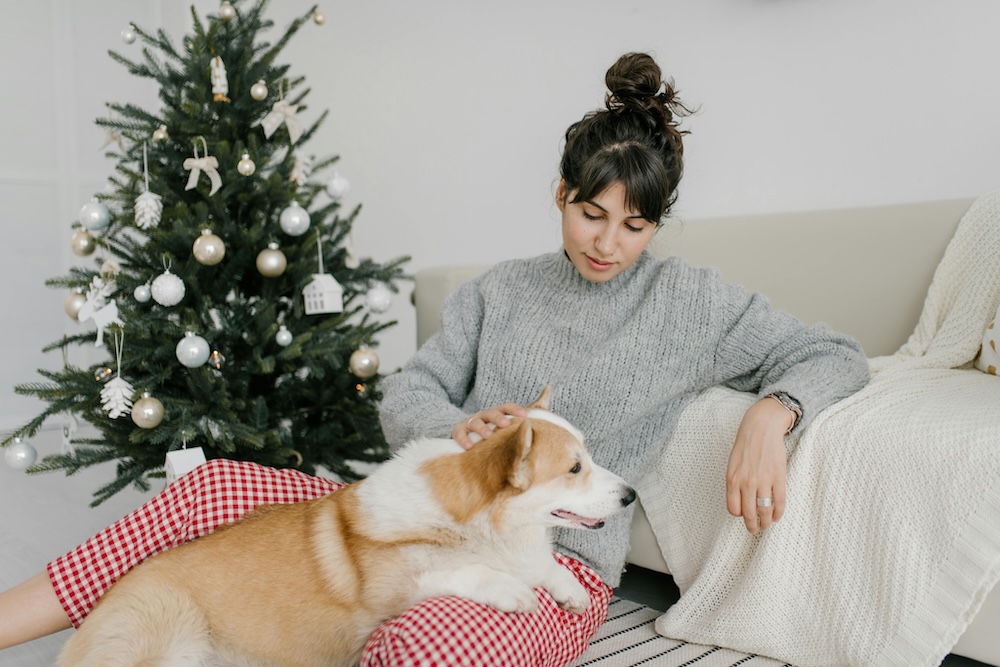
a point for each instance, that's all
(623, 357)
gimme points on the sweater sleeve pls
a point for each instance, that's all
(424, 398)
(763, 349)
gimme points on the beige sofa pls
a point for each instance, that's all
(864, 271)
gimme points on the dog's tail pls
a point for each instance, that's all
(155, 626)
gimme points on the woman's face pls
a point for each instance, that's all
(601, 236)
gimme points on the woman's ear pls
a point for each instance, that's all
(561, 195)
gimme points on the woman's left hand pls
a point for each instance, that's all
(755, 479)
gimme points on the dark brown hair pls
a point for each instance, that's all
(634, 141)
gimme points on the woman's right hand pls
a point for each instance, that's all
(484, 422)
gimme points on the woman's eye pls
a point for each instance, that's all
(575, 469)
(588, 216)
(633, 228)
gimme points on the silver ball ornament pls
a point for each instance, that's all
(364, 362)
(379, 298)
(294, 220)
(142, 293)
(271, 262)
(337, 186)
(208, 248)
(216, 360)
(160, 133)
(226, 11)
(192, 350)
(73, 303)
(147, 412)
(167, 289)
(20, 455)
(128, 34)
(94, 215)
(82, 243)
(246, 166)
(283, 337)
(258, 91)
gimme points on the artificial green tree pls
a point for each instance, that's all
(215, 204)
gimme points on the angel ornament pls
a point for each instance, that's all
(220, 84)
(100, 307)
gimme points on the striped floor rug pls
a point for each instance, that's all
(628, 639)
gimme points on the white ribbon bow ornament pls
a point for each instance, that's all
(208, 164)
(282, 112)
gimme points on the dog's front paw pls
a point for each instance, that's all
(568, 592)
(516, 599)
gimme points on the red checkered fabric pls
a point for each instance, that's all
(438, 632)
(217, 492)
(451, 631)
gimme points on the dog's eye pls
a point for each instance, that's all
(575, 469)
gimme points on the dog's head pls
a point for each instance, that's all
(536, 471)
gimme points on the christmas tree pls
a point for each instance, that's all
(234, 313)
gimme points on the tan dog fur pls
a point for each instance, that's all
(307, 583)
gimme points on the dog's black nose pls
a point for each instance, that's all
(628, 497)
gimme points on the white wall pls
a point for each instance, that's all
(448, 116)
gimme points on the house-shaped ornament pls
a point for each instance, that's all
(323, 295)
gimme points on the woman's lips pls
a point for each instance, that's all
(597, 265)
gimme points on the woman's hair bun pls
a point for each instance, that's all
(633, 79)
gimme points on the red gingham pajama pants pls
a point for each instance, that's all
(438, 632)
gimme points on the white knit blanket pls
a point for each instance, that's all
(891, 538)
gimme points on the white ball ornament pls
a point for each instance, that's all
(192, 350)
(271, 262)
(337, 186)
(246, 166)
(294, 220)
(379, 298)
(208, 248)
(283, 337)
(167, 289)
(226, 11)
(142, 293)
(160, 133)
(82, 243)
(318, 17)
(258, 91)
(94, 215)
(128, 34)
(20, 455)
(147, 412)
(364, 362)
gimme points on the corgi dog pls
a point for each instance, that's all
(308, 583)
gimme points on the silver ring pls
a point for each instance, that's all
(764, 502)
(468, 422)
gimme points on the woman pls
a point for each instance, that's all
(625, 340)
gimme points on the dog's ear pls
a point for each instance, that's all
(519, 474)
(543, 400)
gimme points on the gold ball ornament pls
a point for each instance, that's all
(160, 133)
(208, 248)
(246, 166)
(258, 91)
(73, 303)
(226, 11)
(82, 243)
(364, 362)
(216, 359)
(147, 412)
(271, 262)
(318, 17)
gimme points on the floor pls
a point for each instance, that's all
(657, 590)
